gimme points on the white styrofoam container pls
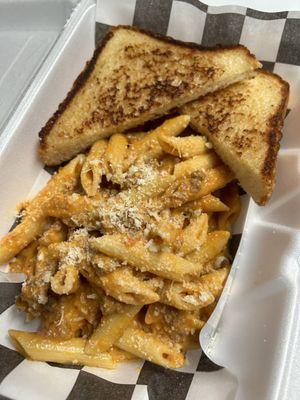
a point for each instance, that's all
(18, 141)
(254, 331)
(28, 31)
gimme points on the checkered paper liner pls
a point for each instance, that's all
(274, 38)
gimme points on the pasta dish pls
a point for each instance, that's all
(125, 250)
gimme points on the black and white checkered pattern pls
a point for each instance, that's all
(275, 39)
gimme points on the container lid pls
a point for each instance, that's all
(28, 30)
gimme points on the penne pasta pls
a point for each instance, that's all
(25, 261)
(214, 244)
(94, 167)
(169, 231)
(207, 204)
(34, 223)
(183, 326)
(66, 280)
(233, 202)
(151, 347)
(34, 294)
(115, 154)
(76, 209)
(204, 161)
(195, 186)
(214, 179)
(103, 264)
(197, 294)
(183, 147)
(148, 147)
(125, 250)
(167, 165)
(21, 236)
(134, 136)
(186, 296)
(194, 234)
(152, 189)
(135, 253)
(72, 315)
(35, 346)
(215, 281)
(110, 329)
(124, 286)
(64, 181)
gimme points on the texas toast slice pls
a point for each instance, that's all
(243, 122)
(133, 77)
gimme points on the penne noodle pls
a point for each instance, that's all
(207, 204)
(183, 147)
(167, 165)
(233, 201)
(71, 254)
(212, 223)
(197, 294)
(153, 188)
(134, 136)
(94, 167)
(194, 234)
(77, 210)
(34, 222)
(110, 329)
(215, 281)
(115, 154)
(195, 186)
(64, 181)
(214, 244)
(66, 280)
(35, 346)
(124, 286)
(104, 264)
(25, 261)
(148, 147)
(151, 347)
(35, 292)
(170, 235)
(91, 275)
(186, 296)
(191, 342)
(119, 355)
(21, 236)
(179, 325)
(214, 179)
(135, 253)
(55, 234)
(197, 163)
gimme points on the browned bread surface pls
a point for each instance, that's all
(134, 77)
(244, 122)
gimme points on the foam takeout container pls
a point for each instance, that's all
(254, 332)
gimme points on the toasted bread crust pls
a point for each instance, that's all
(78, 83)
(84, 75)
(244, 122)
(276, 124)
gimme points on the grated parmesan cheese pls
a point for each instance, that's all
(92, 296)
(47, 277)
(190, 299)
(204, 297)
(74, 255)
(40, 256)
(42, 298)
